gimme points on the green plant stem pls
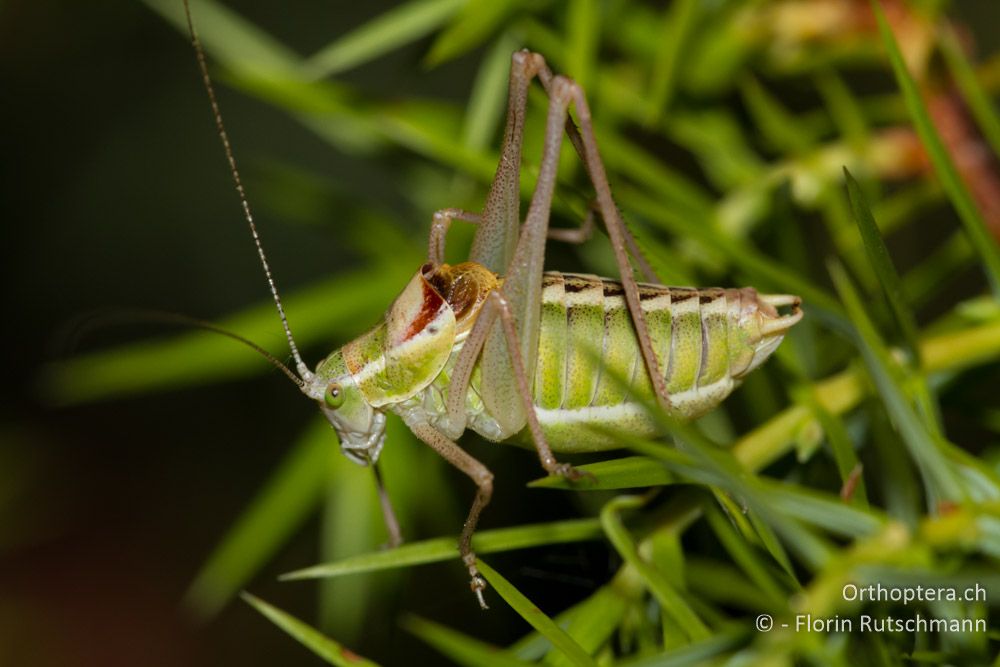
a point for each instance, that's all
(843, 391)
(837, 394)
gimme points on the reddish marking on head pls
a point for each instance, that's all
(428, 311)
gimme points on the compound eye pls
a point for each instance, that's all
(334, 396)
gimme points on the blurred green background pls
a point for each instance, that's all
(118, 479)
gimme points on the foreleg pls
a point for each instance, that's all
(483, 478)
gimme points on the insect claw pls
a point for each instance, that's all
(571, 473)
(478, 585)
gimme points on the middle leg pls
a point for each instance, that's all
(442, 220)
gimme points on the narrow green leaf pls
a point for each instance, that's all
(840, 444)
(459, 647)
(429, 129)
(717, 139)
(670, 599)
(929, 278)
(841, 227)
(980, 476)
(840, 102)
(534, 646)
(701, 653)
(446, 548)
(936, 470)
(488, 99)
(535, 617)
(477, 20)
(326, 648)
(281, 506)
(582, 31)
(719, 581)
(385, 33)
(625, 473)
(678, 22)
(333, 112)
(773, 545)
(592, 622)
(976, 97)
(904, 492)
(737, 515)
(667, 262)
(329, 109)
(722, 471)
(878, 256)
(628, 158)
(782, 131)
(957, 191)
(745, 556)
(822, 510)
(234, 41)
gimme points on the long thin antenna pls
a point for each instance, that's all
(224, 136)
(128, 316)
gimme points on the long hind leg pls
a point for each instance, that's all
(545, 76)
(618, 235)
(522, 282)
(497, 237)
(622, 242)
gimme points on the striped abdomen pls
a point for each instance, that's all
(590, 370)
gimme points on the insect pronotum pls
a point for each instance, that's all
(500, 346)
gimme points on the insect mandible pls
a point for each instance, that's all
(500, 346)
